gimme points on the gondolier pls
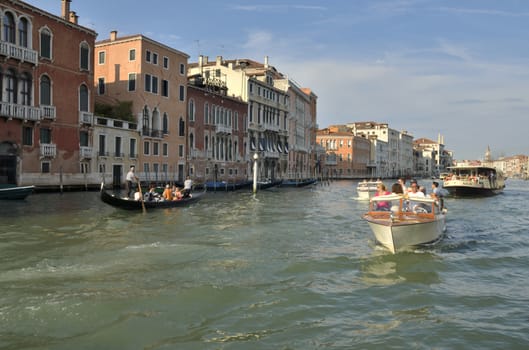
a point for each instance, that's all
(132, 182)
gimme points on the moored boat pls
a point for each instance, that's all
(132, 204)
(473, 180)
(367, 189)
(262, 185)
(15, 192)
(402, 227)
(214, 186)
(297, 183)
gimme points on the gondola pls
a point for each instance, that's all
(14, 192)
(297, 183)
(131, 204)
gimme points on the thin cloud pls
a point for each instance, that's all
(487, 12)
(277, 8)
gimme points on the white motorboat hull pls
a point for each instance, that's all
(400, 235)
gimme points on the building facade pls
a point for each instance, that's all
(46, 112)
(146, 82)
(217, 134)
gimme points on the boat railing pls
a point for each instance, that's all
(403, 207)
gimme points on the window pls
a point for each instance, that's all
(45, 43)
(182, 93)
(155, 149)
(27, 136)
(165, 88)
(23, 32)
(132, 148)
(146, 168)
(25, 89)
(154, 87)
(146, 123)
(166, 62)
(132, 55)
(9, 28)
(165, 149)
(180, 151)
(45, 135)
(132, 81)
(83, 98)
(148, 56)
(101, 86)
(10, 86)
(84, 56)
(102, 145)
(101, 57)
(45, 91)
(148, 82)
(45, 167)
(191, 110)
(146, 148)
(181, 127)
(206, 113)
(182, 69)
(165, 124)
(154, 58)
(117, 147)
(83, 138)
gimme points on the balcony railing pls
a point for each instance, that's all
(20, 53)
(86, 117)
(48, 112)
(86, 152)
(48, 150)
(13, 110)
(153, 133)
(223, 129)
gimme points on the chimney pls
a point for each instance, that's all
(219, 60)
(65, 11)
(113, 35)
(266, 62)
(73, 17)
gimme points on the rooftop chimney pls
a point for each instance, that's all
(73, 17)
(113, 35)
(65, 11)
(266, 62)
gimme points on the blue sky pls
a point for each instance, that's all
(458, 68)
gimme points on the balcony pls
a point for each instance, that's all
(48, 150)
(13, 110)
(47, 112)
(223, 129)
(86, 118)
(271, 127)
(20, 53)
(153, 133)
(86, 152)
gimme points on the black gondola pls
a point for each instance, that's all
(130, 204)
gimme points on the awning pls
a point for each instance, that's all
(261, 145)
(286, 147)
(252, 145)
(279, 147)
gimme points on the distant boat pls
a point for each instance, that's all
(474, 180)
(402, 228)
(214, 186)
(367, 189)
(15, 192)
(297, 183)
(262, 185)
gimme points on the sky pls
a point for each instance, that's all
(458, 68)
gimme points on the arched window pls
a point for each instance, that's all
(84, 55)
(83, 98)
(181, 127)
(25, 89)
(9, 28)
(45, 91)
(206, 145)
(45, 43)
(165, 123)
(146, 120)
(23, 32)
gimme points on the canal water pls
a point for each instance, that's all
(285, 269)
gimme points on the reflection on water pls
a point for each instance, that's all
(288, 268)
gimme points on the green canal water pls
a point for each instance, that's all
(284, 269)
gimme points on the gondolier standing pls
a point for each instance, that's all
(188, 184)
(132, 181)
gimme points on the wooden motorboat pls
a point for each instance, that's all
(131, 204)
(470, 180)
(15, 192)
(406, 225)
